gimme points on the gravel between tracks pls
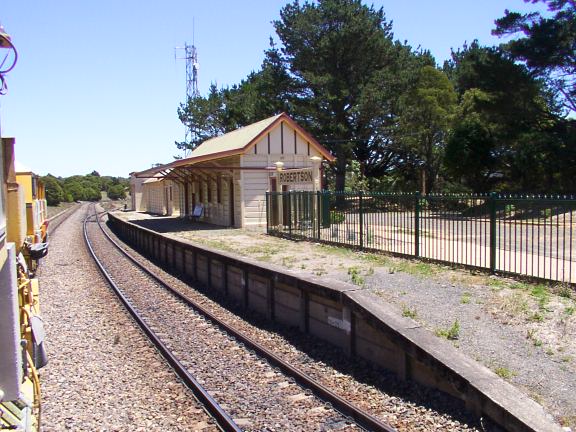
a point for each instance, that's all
(405, 406)
(102, 373)
(255, 394)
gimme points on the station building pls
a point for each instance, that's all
(225, 179)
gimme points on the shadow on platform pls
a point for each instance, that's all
(168, 224)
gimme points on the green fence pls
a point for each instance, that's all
(518, 234)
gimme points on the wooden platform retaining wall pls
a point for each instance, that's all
(348, 317)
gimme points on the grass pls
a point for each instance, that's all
(542, 294)
(504, 372)
(496, 284)
(569, 311)
(531, 334)
(319, 271)
(262, 249)
(416, 268)
(465, 299)
(409, 313)
(216, 244)
(452, 333)
(355, 276)
(287, 261)
(515, 304)
(565, 290)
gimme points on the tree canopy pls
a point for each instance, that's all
(83, 188)
(547, 44)
(492, 118)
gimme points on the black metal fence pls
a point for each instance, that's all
(519, 234)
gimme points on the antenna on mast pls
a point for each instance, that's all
(192, 66)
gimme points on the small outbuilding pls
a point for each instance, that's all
(225, 179)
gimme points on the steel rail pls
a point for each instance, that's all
(222, 418)
(362, 418)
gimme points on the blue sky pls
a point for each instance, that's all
(97, 87)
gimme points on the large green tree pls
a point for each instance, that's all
(54, 191)
(340, 54)
(204, 116)
(338, 72)
(427, 113)
(547, 44)
(504, 110)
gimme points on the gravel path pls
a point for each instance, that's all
(102, 374)
(405, 406)
(525, 333)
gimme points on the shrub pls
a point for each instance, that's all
(116, 192)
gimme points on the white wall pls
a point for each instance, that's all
(296, 154)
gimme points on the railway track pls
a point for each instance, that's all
(55, 221)
(257, 388)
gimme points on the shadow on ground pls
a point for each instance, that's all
(168, 224)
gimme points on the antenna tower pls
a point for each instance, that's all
(192, 66)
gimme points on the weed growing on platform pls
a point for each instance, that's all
(505, 373)
(451, 333)
(409, 313)
(355, 277)
(565, 291)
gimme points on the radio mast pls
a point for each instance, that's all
(192, 66)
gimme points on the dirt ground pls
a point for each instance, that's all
(524, 332)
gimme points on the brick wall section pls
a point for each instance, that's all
(348, 317)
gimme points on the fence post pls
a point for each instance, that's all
(318, 219)
(417, 224)
(492, 206)
(361, 216)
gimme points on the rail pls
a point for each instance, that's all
(222, 418)
(362, 418)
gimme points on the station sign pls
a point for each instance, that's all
(295, 176)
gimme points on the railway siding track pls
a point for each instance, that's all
(259, 396)
(55, 221)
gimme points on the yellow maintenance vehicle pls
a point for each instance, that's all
(22, 243)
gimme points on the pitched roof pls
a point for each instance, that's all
(235, 140)
(238, 141)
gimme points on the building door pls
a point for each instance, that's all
(231, 203)
(286, 204)
(273, 210)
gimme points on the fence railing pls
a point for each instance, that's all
(519, 234)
